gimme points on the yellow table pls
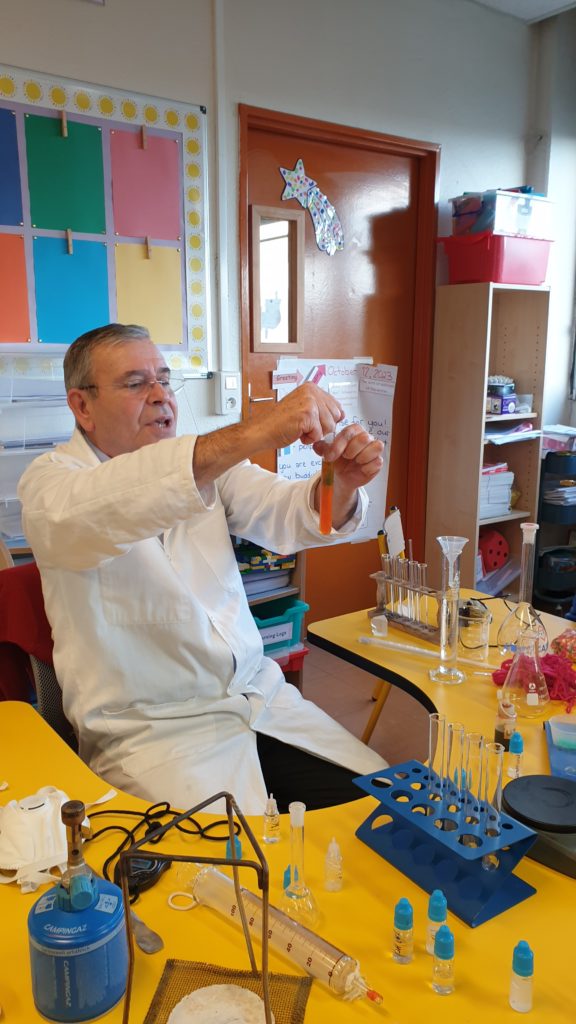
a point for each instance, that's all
(358, 919)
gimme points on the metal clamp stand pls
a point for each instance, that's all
(421, 828)
(260, 867)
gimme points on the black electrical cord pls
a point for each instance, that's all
(148, 869)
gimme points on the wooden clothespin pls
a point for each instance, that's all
(143, 137)
(64, 124)
(69, 241)
(148, 248)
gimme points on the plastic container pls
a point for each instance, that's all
(280, 622)
(563, 730)
(503, 213)
(506, 259)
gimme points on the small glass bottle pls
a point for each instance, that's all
(333, 867)
(437, 908)
(403, 936)
(516, 756)
(506, 718)
(525, 685)
(271, 829)
(521, 981)
(443, 964)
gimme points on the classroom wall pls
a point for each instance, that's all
(447, 71)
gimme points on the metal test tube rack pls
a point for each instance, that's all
(405, 599)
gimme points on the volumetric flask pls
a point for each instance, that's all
(523, 617)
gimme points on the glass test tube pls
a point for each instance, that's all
(436, 754)
(454, 768)
(492, 802)
(472, 788)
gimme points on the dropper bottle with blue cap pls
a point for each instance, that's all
(515, 755)
(443, 965)
(521, 980)
(403, 938)
(437, 909)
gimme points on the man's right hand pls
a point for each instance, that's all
(307, 414)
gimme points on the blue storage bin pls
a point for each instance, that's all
(280, 622)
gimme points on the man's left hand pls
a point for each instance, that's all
(357, 459)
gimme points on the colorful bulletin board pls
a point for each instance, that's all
(102, 216)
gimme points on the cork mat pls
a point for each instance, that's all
(288, 994)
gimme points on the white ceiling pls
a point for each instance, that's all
(528, 10)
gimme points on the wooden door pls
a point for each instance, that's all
(375, 297)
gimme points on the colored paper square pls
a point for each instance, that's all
(14, 318)
(71, 289)
(150, 291)
(65, 175)
(10, 189)
(146, 190)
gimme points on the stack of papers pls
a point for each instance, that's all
(561, 495)
(495, 494)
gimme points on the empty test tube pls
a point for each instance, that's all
(436, 754)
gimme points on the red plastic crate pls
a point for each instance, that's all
(507, 259)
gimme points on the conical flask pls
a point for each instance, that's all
(525, 686)
(523, 618)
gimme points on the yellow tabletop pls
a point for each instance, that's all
(358, 920)
(472, 702)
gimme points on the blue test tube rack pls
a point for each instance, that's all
(419, 827)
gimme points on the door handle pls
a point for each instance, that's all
(254, 400)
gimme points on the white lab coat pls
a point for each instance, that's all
(157, 652)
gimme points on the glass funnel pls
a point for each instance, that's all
(525, 686)
(449, 600)
(523, 617)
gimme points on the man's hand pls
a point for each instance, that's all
(357, 459)
(307, 414)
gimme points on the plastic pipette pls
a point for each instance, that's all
(337, 970)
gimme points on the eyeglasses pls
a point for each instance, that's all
(139, 387)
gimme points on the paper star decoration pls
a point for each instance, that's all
(327, 226)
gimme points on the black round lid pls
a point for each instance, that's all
(546, 802)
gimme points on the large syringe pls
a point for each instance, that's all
(337, 970)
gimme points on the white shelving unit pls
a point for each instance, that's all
(33, 416)
(480, 330)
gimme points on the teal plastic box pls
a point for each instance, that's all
(280, 622)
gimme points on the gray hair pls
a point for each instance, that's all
(78, 358)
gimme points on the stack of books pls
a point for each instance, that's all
(262, 571)
(496, 482)
(563, 494)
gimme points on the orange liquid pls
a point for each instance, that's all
(326, 493)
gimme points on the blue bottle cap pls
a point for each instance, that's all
(403, 915)
(516, 743)
(444, 943)
(523, 960)
(437, 906)
(237, 849)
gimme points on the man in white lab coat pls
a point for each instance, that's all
(160, 661)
